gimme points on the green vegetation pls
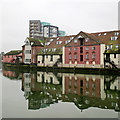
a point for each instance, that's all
(50, 51)
(14, 52)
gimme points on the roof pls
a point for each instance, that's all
(105, 37)
(36, 42)
(14, 52)
(55, 46)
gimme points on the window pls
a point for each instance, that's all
(75, 56)
(87, 48)
(28, 60)
(71, 38)
(110, 47)
(28, 51)
(81, 83)
(8, 56)
(116, 33)
(38, 61)
(114, 55)
(81, 49)
(33, 60)
(59, 42)
(93, 85)
(70, 49)
(75, 41)
(54, 49)
(75, 49)
(12, 56)
(93, 56)
(51, 58)
(114, 38)
(81, 57)
(87, 39)
(99, 34)
(46, 56)
(70, 56)
(33, 51)
(87, 56)
(105, 33)
(93, 48)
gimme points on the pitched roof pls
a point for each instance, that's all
(14, 52)
(56, 44)
(105, 37)
(60, 41)
(36, 42)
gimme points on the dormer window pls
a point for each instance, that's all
(71, 38)
(54, 49)
(116, 33)
(75, 41)
(86, 39)
(114, 38)
(59, 42)
(99, 34)
(105, 33)
(51, 40)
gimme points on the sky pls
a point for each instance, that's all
(71, 16)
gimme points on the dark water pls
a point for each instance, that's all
(59, 95)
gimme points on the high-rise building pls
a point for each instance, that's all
(42, 26)
(50, 31)
(34, 28)
(38, 29)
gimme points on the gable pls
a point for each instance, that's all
(84, 39)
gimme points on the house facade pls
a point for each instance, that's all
(85, 50)
(52, 53)
(12, 56)
(111, 39)
(30, 50)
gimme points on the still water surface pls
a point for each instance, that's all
(59, 95)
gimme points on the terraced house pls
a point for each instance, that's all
(84, 50)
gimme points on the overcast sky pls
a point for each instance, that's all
(71, 16)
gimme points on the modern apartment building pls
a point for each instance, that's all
(39, 29)
(50, 31)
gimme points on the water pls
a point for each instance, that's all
(59, 95)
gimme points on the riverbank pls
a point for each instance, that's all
(28, 68)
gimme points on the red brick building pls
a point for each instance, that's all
(30, 50)
(11, 56)
(85, 50)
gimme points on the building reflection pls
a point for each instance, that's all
(42, 89)
(13, 75)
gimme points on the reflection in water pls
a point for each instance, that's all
(44, 88)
